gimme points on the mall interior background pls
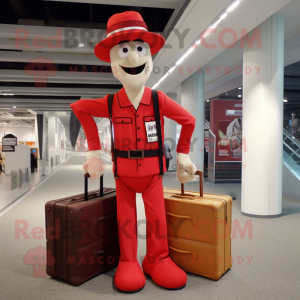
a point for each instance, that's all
(63, 34)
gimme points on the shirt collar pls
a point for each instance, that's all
(125, 102)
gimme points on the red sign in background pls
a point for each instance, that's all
(226, 125)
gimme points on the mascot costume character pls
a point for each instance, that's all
(138, 160)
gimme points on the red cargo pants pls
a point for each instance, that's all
(152, 193)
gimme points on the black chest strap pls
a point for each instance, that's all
(158, 128)
(112, 143)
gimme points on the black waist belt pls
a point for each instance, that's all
(137, 154)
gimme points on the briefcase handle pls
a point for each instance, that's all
(86, 176)
(198, 172)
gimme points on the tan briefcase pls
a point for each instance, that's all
(199, 231)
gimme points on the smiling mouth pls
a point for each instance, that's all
(134, 71)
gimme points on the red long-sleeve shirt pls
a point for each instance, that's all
(129, 127)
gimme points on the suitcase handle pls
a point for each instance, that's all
(86, 176)
(198, 172)
(194, 253)
(193, 219)
(186, 196)
(96, 220)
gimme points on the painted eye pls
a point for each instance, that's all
(124, 51)
(140, 49)
(43, 258)
(91, 165)
(35, 258)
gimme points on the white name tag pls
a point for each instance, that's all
(151, 132)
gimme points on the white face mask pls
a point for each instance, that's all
(131, 63)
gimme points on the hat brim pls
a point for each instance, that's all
(155, 41)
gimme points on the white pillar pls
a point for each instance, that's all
(58, 139)
(46, 137)
(170, 135)
(67, 135)
(36, 135)
(192, 99)
(63, 139)
(51, 136)
(56, 133)
(263, 122)
(44, 146)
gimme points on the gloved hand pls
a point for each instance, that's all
(185, 168)
(94, 165)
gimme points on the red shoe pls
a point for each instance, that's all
(165, 273)
(129, 277)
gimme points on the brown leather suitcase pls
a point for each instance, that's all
(199, 231)
(82, 235)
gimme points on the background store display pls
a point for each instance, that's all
(226, 128)
(28, 143)
(9, 141)
(19, 159)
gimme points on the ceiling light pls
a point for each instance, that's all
(171, 70)
(204, 33)
(215, 25)
(155, 85)
(226, 93)
(284, 100)
(8, 94)
(240, 88)
(180, 60)
(14, 106)
(223, 16)
(239, 95)
(81, 45)
(207, 100)
(233, 6)
(163, 78)
(190, 51)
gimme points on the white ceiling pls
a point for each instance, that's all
(203, 14)
(43, 99)
(195, 17)
(217, 84)
(142, 3)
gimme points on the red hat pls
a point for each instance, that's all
(127, 26)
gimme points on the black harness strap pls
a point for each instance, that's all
(158, 128)
(112, 144)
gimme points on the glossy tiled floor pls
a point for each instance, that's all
(8, 196)
(264, 253)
